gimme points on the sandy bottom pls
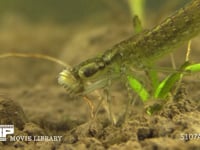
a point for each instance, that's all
(31, 99)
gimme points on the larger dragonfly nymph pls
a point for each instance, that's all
(136, 51)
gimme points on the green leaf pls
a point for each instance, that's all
(138, 88)
(193, 68)
(153, 75)
(166, 85)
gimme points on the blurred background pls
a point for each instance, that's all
(62, 11)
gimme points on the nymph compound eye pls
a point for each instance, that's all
(70, 82)
(90, 70)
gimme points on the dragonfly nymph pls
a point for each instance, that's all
(136, 51)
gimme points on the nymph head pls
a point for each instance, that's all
(78, 80)
(70, 81)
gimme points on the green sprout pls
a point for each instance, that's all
(138, 88)
(164, 87)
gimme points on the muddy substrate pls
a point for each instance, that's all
(174, 127)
